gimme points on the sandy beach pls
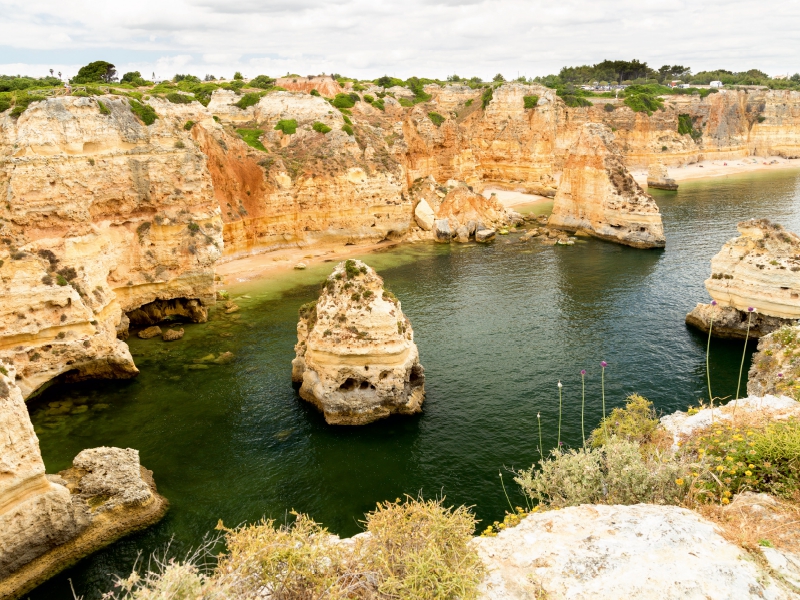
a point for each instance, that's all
(257, 266)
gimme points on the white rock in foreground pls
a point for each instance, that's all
(619, 552)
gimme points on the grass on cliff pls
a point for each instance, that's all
(252, 137)
(413, 549)
(287, 126)
(145, 112)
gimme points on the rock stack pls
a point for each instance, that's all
(658, 178)
(356, 357)
(759, 270)
(599, 196)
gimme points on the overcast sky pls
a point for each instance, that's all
(369, 38)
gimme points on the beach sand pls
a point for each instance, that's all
(708, 169)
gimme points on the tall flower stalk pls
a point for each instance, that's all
(559, 414)
(604, 364)
(505, 492)
(708, 349)
(583, 403)
(750, 311)
(539, 419)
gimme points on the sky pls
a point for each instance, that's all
(370, 38)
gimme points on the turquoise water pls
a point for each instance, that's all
(497, 326)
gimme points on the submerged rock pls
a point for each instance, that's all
(149, 332)
(598, 195)
(642, 552)
(356, 357)
(760, 269)
(485, 235)
(658, 178)
(170, 335)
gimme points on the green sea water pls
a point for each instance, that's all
(497, 327)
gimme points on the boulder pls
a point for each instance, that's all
(441, 230)
(643, 552)
(170, 335)
(301, 266)
(462, 234)
(658, 177)
(424, 215)
(485, 235)
(599, 195)
(150, 332)
(461, 206)
(356, 359)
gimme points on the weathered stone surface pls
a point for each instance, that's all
(170, 335)
(356, 357)
(775, 369)
(149, 332)
(730, 322)
(759, 269)
(441, 230)
(620, 552)
(461, 206)
(599, 196)
(658, 178)
(462, 234)
(485, 235)
(424, 215)
(326, 85)
(48, 523)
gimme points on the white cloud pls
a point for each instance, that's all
(416, 37)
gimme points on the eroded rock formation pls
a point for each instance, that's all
(356, 357)
(642, 551)
(101, 215)
(658, 178)
(49, 522)
(598, 196)
(760, 269)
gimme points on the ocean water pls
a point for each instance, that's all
(497, 327)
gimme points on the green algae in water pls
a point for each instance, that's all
(497, 326)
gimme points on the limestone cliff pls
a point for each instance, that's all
(759, 270)
(101, 215)
(775, 369)
(47, 522)
(356, 357)
(658, 177)
(597, 195)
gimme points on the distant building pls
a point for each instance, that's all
(716, 84)
(781, 77)
(683, 86)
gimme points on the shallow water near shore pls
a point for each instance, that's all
(497, 326)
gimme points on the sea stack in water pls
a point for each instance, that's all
(658, 178)
(599, 196)
(49, 522)
(356, 357)
(758, 270)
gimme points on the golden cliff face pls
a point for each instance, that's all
(597, 195)
(310, 187)
(101, 216)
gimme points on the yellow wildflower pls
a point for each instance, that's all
(679, 481)
(748, 473)
(726, 501)
(720, 468)
(729, 458)
(751, 466)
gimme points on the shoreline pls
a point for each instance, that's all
(246, 269)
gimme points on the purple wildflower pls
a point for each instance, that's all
(750, 309)
(713, 303)
(780, 374)
(603, 364)
(583, 371)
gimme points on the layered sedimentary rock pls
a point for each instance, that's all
(463, 213)
(101, 215)
(658, 177)
(326, 85)
(760, 269)
(356, 357)
(642, 551)
(49, 522)
(598, 196)
(775, 369)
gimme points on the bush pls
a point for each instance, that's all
(320, 127)
(498, 78)
(468, 103)
(262, 81)
(436, 118)
(248, 100)
(486, 97)
(574, 101)
(187, 78)
(637, 422)
(530, 101)
(347, 129)
(98, 71)
(345, 100)
(188, 125)
(103, 108)
(685, 126)
(5, 103)
(351, 269)
(61, 281)
(314, 92)
(22, 102)
(368, 99)
(644, 103)
(238, 76)
(379, 104)
(405, 102)
(145, 112)
(287, 126)
(176, 98)
(609, 107)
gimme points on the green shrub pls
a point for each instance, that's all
(188, 78)
(468, 103)
(486, 97)
(346, 119)
(574, 101)
(97, 71)
(609, 107)
(238, 76)
(644, 103)
(530, 101)
(252, 137)
(405, 102)
(61, 281)
(262, 81)
(345, 100)
(145, 112)
(80, 94)
(176, 98)
(188, 125)
(685, 125)
(314, 92)
(637, 422)
(347, 129)
(248, 100)
(320, 127)
(22, 102)
(5, 102)
(351, 269)
(436, 118)
(287, 126)
(379, 104)
(103, 108)
(761, 118)
(369, 99)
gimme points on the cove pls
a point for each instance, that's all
(497, 326)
